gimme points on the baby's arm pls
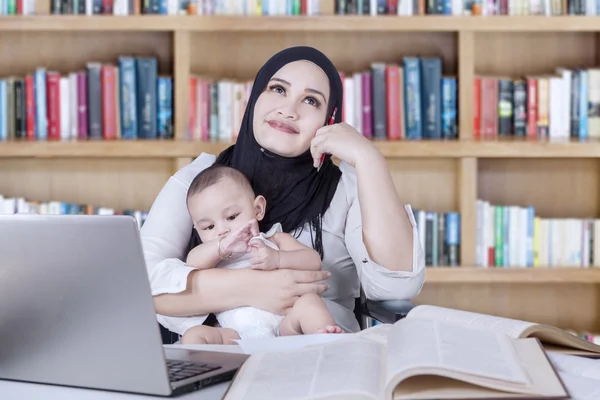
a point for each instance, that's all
(204, 256)
(295, 255)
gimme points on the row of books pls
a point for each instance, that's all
(184, 7)
(562, 104)
(466, 7)
(513, 236)
(439, 233)
(126, 100)
(409, 100)
(19, 205)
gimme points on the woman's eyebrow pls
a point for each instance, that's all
(315, 91)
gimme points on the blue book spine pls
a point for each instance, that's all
(3, 111)
(129, 125)
(41, 120)
(165, 98)
(265, 7)
(583, 104)
(447, 7)
(449, 108)
(412, 97)
(146, 71)
(453, 237)
(431, 99)
(162, 7)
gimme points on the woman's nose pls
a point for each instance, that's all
(288, 111)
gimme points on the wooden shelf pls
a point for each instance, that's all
(540, 275)
(325, 23)
(399, 149)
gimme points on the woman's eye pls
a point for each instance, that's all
(209, 227)
(313, 102)
(277, 89)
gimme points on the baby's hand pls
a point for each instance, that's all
(237, 241)
(263, 256)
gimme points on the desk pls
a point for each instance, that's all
(31, 391)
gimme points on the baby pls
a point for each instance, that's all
(225, 212)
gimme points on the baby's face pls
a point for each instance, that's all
(221, 208)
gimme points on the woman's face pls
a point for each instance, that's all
(291, 108)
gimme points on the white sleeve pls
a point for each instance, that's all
(167, 229)
(379, 283)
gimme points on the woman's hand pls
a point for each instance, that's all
(276, 291)
(343, 142)
(238, 241)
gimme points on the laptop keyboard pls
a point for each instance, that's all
(179, 370)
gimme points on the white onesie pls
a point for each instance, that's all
(250, 322)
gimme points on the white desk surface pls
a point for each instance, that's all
(25, 391)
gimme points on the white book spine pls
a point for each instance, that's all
(73, 104)
(65, 104)
(349, 101)
(357, 110)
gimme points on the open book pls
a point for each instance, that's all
(412, 359)
(552, 338)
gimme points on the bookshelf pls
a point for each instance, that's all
(560, 178)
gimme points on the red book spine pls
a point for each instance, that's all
(53, 104)
(109, 112)
(532, 107)
(303, 7)
(392, 7)
(367, 105)
(477, 108)
(107, 6)
(192, 106)
(30, 106)
(392, 90)
(205, 110)
(489, 107)
(82, 110)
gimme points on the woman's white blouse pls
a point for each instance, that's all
(166, 233)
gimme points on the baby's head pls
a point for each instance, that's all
(220, 200)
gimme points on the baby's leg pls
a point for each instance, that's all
(309, 315)
(204, 334)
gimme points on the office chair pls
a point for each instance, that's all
(385, 311)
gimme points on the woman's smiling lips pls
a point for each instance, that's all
(282, 126)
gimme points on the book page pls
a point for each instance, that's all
(574, 365)
(334, 369)
(420, 343)
(512, 327)
(580, 388)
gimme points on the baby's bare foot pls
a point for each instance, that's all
(331, 329)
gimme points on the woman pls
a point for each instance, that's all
(351, 215)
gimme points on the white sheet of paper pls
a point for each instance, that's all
(283, 343)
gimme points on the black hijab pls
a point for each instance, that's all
(294, 191)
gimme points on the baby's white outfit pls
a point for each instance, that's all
(250, 322)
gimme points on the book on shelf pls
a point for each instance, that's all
(186, 7)
(127, 99)
(20, 205)
(415, 358)
(411, 99)
(561, 104)
(464, 7)
(514, 236)
(439, 233)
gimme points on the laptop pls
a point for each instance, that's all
(76, 310)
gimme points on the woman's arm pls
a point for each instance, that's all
(218, 289)
(386, 229)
